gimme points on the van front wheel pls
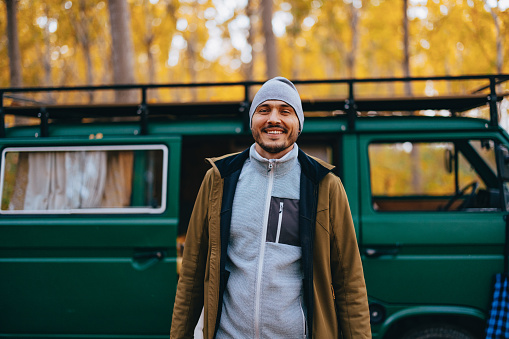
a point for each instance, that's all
(438, 332)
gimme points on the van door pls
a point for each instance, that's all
(88, 237)
(432, 218)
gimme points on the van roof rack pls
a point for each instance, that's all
(349, 102)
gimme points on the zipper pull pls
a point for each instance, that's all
(271, 165)
(281, 207)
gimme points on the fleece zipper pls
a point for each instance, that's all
(279, 221)
(262, 249)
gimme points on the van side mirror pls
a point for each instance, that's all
(503, 161)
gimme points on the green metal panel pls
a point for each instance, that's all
(91, 276)
(420, 123)
(85, 296)
(237, 127)
(351, 182)
(80, 231)
(165, 128)
(440, 279)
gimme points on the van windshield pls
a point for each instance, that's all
(92, 179)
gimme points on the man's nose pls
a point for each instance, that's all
(274, 117)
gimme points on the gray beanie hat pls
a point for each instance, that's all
(278, 88)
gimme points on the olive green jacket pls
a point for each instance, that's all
(334, 288)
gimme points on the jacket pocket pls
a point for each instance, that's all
(283, 222)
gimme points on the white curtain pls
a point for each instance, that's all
(119, 179)
(65, 180)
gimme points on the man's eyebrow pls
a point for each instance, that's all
(268, 105)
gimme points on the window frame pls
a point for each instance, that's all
(93, 211)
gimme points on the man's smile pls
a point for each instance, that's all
(274, 131)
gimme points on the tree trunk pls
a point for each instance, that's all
(86, 46)
(415, 153)
(500, 49)
(81, 26)
(406, 48)
(48, 80)
(89, 73)
(270, 40)
(292, 59)
(15, 70)
(149, 40)
(352, 54)
(192, 40)
(105, 76)
(122, 48)
(248, 67)
(339, 46)
(16, 79)
(500, 55)
(191, 60)
(171, 15)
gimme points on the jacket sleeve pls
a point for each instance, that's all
(189, 297)
(346, 268)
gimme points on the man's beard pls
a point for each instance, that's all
(278, 147)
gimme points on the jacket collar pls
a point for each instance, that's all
(279, 167)
(230, 163)
(314, 169)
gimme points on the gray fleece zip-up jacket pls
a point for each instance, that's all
(263, 297)
(333, 285)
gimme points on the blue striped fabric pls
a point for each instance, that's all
(498, 322)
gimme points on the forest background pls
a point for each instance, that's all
(83, 42)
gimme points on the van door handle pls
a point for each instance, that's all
(145, 259)
(378, 252)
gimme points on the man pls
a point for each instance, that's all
(271, 250)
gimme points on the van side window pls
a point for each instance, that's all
(434, 176)
(91, 179)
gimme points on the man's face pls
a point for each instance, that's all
(275, 128)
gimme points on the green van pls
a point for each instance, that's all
(96, 198)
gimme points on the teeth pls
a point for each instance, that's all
(275, 132)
